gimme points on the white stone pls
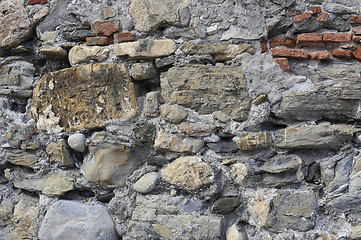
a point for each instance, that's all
(233, 234)
(212, 30)
(77, 142)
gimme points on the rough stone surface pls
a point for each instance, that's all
(83, 54)
(69, 86)
(143, 71)
(146, 183)
(254, 141)
(59, 153)
(151, 104)
(67, 219)
(173, 114)
(170, 142)
(22, 159)
(54, 52)
(226, 205)
(106, 28)
(188, 172)
(196, 130)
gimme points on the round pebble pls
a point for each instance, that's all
(146, 183)
(77, 142)
(9, 136)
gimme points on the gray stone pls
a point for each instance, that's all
(342, 175)
(313, 174)
(67, 219)
(164, 62)
(144, 131)
(223, 147)
(220, 116)
(355, 233)
(226, 205)
(308, 25)
(158, 161)
(54, 52)
(59, 153)
(143, 71)
(284, 3)
(196, 129)
(176, 32)
(21, 158)
(151, 104)
(173, 114)
(77, 142)
(77, 35)
(339, 9)
(281, 163)
(281, 26)
(146, 183)
(338, 24)
(9, 80)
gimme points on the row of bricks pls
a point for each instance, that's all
(117, 38)
(356, 19)
(318, 55)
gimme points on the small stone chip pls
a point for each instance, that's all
(259, 99)
(9, 136)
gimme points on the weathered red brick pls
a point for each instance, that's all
(357, 30)
(294, 13)
(289, 53)
(283, 62)
(337, 37)
(309, 38)
(357, 53)
(106, 28)
(355, 19)
(315, 9)
(322, 17)
(124, 37)
(348, 46)
(301, 17)
(97, 41)
(108, 13)
(287, 42)
(356, 39)
(341, 53)
(31, 2)
(264, 47)
(319, 55)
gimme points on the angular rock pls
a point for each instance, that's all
(150, 15)
(143, 71)
(144, 131)
(59, 153)
(54, 52)
(105, 28)
(196, 129)
(164, 62)
(188, 172)
(301, 17)
(173, 114)
(281, 26)
(232, 233)
(338, 23)
(207, 89)
(85, 96)
(77, 142)
(223, 146)
(53, 183)
(315, 9)
(151, 104)
(313, 137)
(146, 49)
(83, 54)
(322, 17)
(239, 172)
(66, 219)
(339, 9)
(254, 141)
(226, 205)
(281, 163)
(9, 80)
(77, 35)
(170, 142)
(22, 158)
(146, 183)
(176, 32)
(15, 24)
(308, 25)
(30, 146)
(220, 116)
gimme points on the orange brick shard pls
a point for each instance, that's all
(355, 19)
(124, 37)
(283, 62)
(97, 41)
(337, 37)
(32, 2)
(301, 17)
(356, 39)
(315, 9)
(290, 53)
(357, 53)
(309, 38)
(106, 28)
(341, 53)
(319, 55)
(287, 42)
(322, 17)
(357, 30)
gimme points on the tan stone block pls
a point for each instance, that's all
(254, 141)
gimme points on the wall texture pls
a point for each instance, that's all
(180, 119)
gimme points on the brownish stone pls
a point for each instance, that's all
(315, 9)
(348, 46)
(83, 97)
(106, 28)
(283, 62)
(309, 38)
(357, 53)
(108, 13)
(301, 17)
(322, 17)
(196, 129)
(319, 55)
(287, 42)
(124, 37)
(356, 39)
(290, 53)
(341, 53)
(97, 41)
(31, 2)
(337, 37)
(355, 19)
(264, 47)
(357, 30)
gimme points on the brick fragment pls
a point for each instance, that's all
(355, 19)
(337, 37)
(294, 13)
(287, 42)
(322, 17)
(356, 39)
(357, 53)
(290, 53)
(108, 13)
(264, 47)
(124, 37)
(315, 9)
(301, 17)
(319, 55)
(106, 28)
(309, 38)
(31, 2)
(97, 41)
(341, 53)
(357, 30)
(283, 62)
(348, 46)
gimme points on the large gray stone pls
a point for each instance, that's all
(74, 220)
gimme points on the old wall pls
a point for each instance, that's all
(180, 119)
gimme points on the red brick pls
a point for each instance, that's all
(341, 53)
(357, 30)
(348, 46)
(287, 42)
(108, 13)
(319, 55)
(301, 17)
(322, 17)
(290, 53)
(337, 37)
(31, 2)
(283, 62)
(97, 41)
(357, 53)
(264, 47)
(124, 37)
(106, 28)
(315, 9)
(356, 39)
(309, 38)
(355, 19)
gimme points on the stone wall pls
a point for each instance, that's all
(180, 119)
